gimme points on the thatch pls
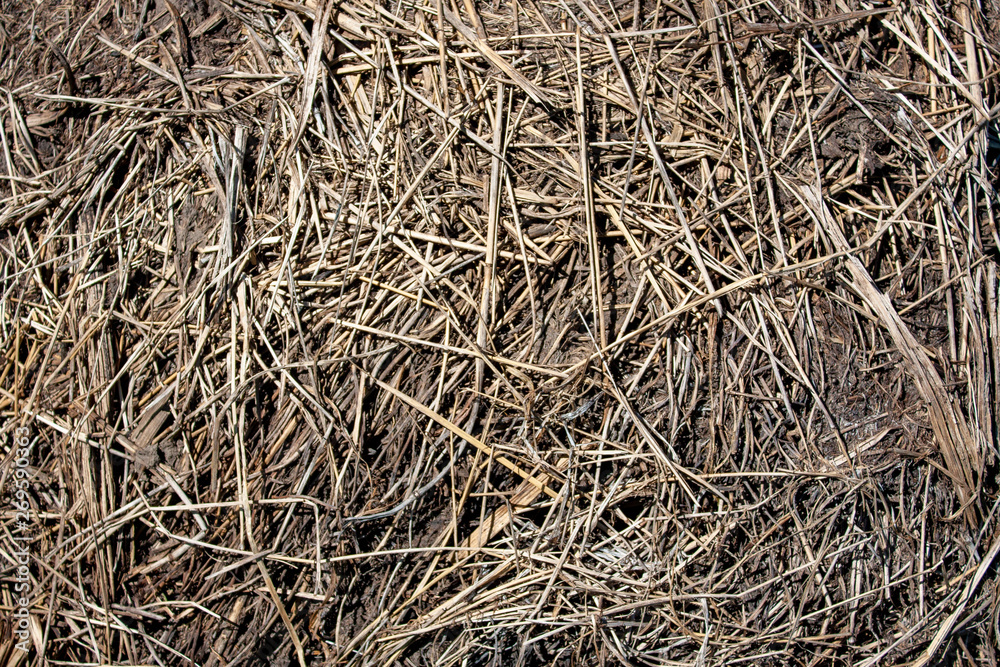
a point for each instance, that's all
(513, 333)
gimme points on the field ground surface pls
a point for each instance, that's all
(507, 332)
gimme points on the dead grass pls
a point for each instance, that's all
(515, 333)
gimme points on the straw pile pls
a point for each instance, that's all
(510, 333)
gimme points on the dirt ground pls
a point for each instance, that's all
(521, 332)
